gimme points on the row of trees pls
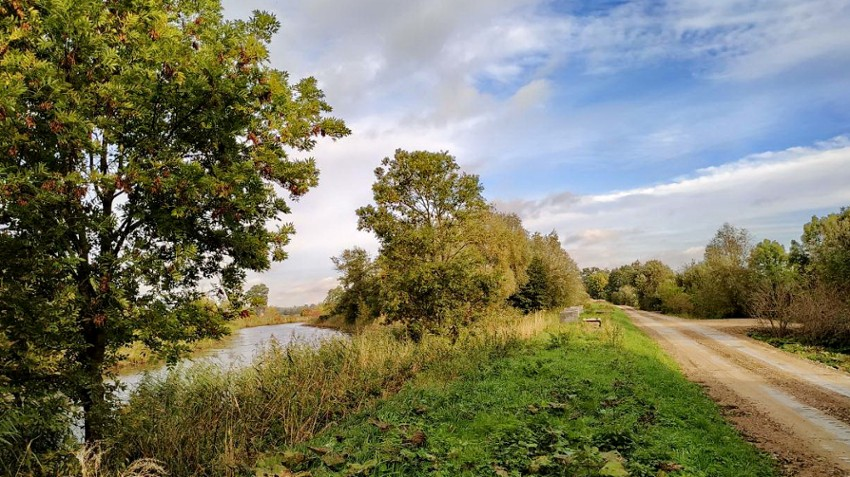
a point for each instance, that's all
(808, 284)
(446, 257)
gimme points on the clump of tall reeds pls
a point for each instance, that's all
(205, 420)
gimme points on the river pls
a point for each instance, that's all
(239, 349)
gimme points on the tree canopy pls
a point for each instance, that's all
(143, 149)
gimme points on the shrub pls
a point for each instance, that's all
(674, 299)
(824, 316)
(625, 295)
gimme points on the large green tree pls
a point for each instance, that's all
(144, 147)
(432, 276)
(595, 281)
(650, 279)
(257, 297)
(719, 284)
(554, 280)
(825, 245)
(359, 281)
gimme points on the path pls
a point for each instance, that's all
(797, 410)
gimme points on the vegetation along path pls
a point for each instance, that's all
(795, 409)
(577, 401)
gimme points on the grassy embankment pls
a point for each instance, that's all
(510, 397)
(836, 358)
(204, 420)
(139, 356)
(572, 402)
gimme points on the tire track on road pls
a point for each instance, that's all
(807, 441)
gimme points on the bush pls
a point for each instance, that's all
(824, 316)
(674, 299)
(775, 304)
(626, 295)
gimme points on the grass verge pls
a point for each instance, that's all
(572, 402)
(838, 359)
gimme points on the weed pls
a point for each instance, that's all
(612, 334)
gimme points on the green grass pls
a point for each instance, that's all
(838, 359)
(574, 402)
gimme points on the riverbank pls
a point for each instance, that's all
(139, 358)
(209, 420)
(572, 401)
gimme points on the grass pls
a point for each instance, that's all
(139, 357)
(838, 359)
(571, 402)
(205, 420)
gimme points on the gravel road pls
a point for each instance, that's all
(795, 409)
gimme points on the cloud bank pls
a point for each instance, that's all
(771, 194)
(617, 123)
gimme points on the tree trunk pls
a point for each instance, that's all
(95, 406)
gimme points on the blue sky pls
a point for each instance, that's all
(632, 128)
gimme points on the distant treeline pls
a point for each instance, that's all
(446, 256)
(807, 285)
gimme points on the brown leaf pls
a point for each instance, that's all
(500, 471)
(670, 466)
(382, 426)
(417, 439)
(320, 450)
(333, 460)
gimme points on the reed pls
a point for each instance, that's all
(203, 420)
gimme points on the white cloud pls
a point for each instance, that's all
(673, 220)
(480, 78)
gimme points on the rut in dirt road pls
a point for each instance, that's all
(795, 409)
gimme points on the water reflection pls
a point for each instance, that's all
(239, 349)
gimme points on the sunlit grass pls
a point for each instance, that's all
(211, 421)
(577, 400)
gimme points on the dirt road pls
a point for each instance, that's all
(797, 410)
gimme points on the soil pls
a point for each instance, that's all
(794, 409)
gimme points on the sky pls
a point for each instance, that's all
(633, 129)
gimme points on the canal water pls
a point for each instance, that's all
(239, 349)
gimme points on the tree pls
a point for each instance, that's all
(595, 282)
(620, 277)
(651, 277)
(719, 285)
(774, 285)
(625, 295)
(432, 275)
(554, 280)
(826, 247)
(502, 247)
(531, 296)
(359, 298)
(258, 297)
(140, 148)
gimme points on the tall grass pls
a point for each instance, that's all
(204, 420)
(138, 356)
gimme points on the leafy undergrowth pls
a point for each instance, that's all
(838, 359)
(579, 402)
